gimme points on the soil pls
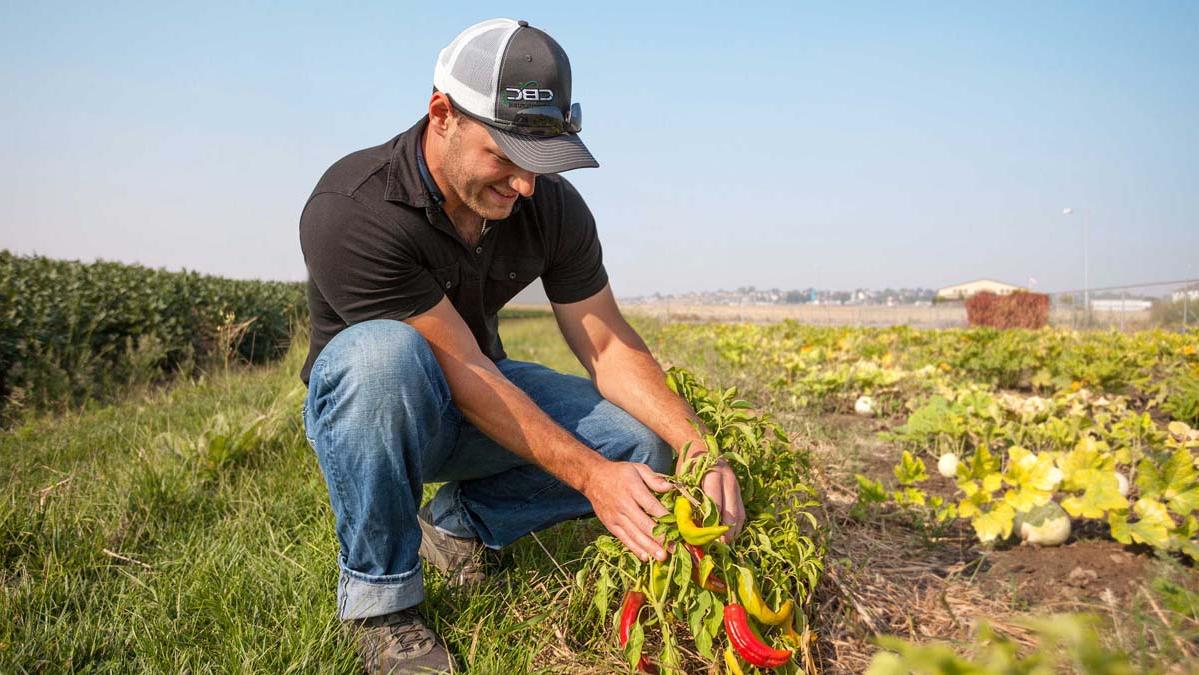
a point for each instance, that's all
(1078, 572)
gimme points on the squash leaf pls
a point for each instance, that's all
(1102, 495)
(1152, 527)
(998, 521)
(1174, 481)
(910, 469)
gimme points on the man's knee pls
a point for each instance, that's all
(382, 358)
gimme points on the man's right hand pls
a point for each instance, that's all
(622, 496)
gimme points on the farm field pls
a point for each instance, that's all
(932, 316)
(952, 315)
(188, 529)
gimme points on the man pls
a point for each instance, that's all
(412, 247)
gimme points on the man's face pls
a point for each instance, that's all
(479, 173)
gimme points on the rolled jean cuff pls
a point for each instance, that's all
(360, 596)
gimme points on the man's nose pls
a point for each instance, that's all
(523, 182)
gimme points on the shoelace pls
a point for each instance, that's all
(403, 633)
(409, 637)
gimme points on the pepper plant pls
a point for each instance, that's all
(741, 601)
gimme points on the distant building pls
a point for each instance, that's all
(970, 288)
(1120, 305)
(1189, 293)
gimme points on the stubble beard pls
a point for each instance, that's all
(461, 182)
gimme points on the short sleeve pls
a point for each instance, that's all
(362, 266)
(575, 269)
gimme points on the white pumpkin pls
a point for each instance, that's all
(1047, 525)
(948, 465)
(864, 405)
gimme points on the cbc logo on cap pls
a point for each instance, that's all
(529, 93)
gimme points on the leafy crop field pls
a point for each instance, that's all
(188, 528)
(72, 332)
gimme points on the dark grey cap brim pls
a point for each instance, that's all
(554, 154)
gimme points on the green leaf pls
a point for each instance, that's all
(1152, 528)
(632, 650)
(1087, 455)
(1176, 597)
(1025, 500)
(909, 497)
(913, 658)
(682, 569)
(992, 482)
(975, 499)
(980, 464)
(1043, 379)
(1034, 478)
(699, 629)
(994, 523)
(715, 620)
(945, 512)
(886, 663)
(870, 492)
(910, 469)
(1185, 537)
(1102, 495)
(696, 616)
(600, 596)
(1174, 481)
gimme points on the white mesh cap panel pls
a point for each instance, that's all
(468, 68)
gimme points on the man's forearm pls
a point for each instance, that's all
(629, 376)
(506, 414)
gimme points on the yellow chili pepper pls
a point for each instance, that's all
(754, 604)
(692, 533)
(730, 662)
(791, 636)
(659, 580)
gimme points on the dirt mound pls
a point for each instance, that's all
(1078, 572)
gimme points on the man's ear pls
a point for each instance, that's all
(442, 115)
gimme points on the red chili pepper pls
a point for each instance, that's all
(629, 610)
(748, 646)
(714, 583)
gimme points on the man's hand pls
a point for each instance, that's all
(720, 483)
(627, 374)
(622, 496)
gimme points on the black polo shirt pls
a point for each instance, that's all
(379, 246)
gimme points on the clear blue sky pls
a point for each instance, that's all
(786, 146)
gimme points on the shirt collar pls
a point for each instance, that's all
(404, 182)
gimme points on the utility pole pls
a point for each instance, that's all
(1086, 280)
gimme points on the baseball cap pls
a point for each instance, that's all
(515, 79)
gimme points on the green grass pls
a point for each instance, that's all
(153, 535)
(538, 339)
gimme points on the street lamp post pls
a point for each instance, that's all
(1086, 282)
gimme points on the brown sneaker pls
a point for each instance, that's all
(462, 561)
(399, 644)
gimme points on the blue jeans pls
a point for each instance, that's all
(379, 416)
